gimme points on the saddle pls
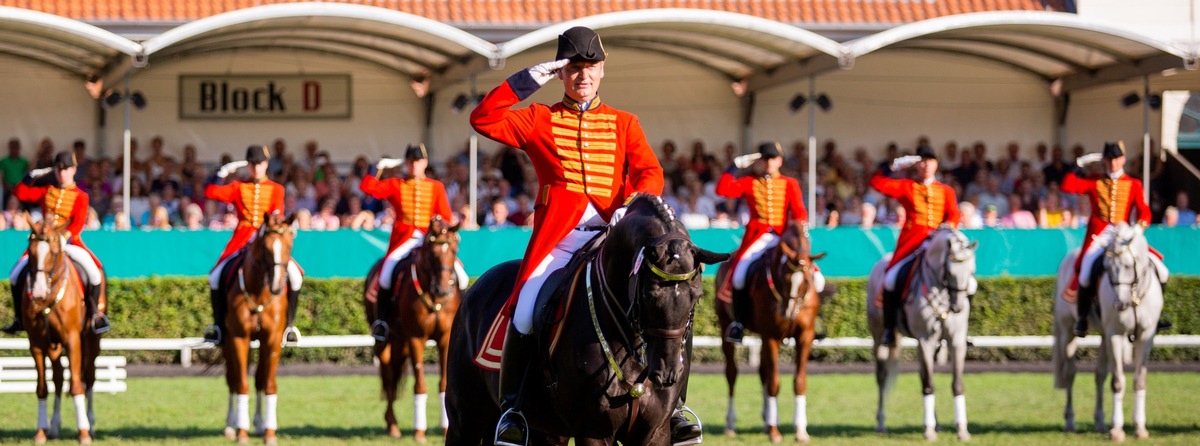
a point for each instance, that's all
(229, 275)
(557, 293)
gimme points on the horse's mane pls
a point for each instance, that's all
(655, 205)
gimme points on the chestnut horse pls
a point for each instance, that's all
(257, 302)
(783, 304)
(55, 320)
(427, 295)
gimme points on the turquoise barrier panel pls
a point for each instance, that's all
(851, 252)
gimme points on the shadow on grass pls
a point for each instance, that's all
(197, 433)
(865, 432)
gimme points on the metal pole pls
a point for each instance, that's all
(473, 191)
(812, 151)
(1146, 138)
(125, 169)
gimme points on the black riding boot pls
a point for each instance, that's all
(1084, 298)
(215, 333)
(100, 322)
(383, 314)
(684, 432)
(1164, 323)
(740, 302)
(512, 429)
(291, 336)
(891, 311)
(17, 289)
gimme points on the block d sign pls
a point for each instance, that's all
(285, 96)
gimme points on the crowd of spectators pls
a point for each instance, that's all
(1006, 191)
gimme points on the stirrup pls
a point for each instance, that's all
(735, 333)
(379, 330)
(291, 337)
(699, 427)
(524, 423)
(212, 334)
(100, 323)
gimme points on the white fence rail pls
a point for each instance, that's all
(186, 345)
(17, 374)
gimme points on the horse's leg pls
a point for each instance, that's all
(1102, 366)
(39, 365)
(958, 353)
(91, 351)
(1141, 354)
(270, 347)
(731, 372)
(236, 367)
(768, 373)
(1116, 344)
(231, 382)
(56, 373)
(925, 349)
(387, 372)
(803, 350)
(443, 359)
(74, 346)
(416, 349)
(1064, 367)
(884, 377)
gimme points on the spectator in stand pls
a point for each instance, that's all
(967, 169)
(868, 216)
(798, 161)
(512, 167)
(1187, 217)
(852, 216)
(1171, 217)
(980, 157)
(1017, 217)
(326, 220)
(952, 160)
(1057, 167)
(275, 164)
(991, 216)
(992, 196)
(969, 216)
(497, 217)
(304, 220)
(1041, 160)
(670, 164)
(13, 167)
(159, 219)
(1052, 212)
(193, 217)
(522, 213)
(80, 150)
(45, 154)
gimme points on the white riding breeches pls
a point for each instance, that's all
(890, 276)
(389, 263)
(556, 260)
(764, 242)
(295, 278)
(1099, 243)
(76, 253)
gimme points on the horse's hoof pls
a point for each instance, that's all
(774, 434)
(730, 433)
(881, 429)
(1117, 435)
(85, 437)
(230, 434)
(963, 435)
(269, 438)
(243, 437)
(1069, 428)
(39, 437)
(802, 437)
(1101, 428)
(930, 434)
(419, 437)
(1142, 433)
(393, 431)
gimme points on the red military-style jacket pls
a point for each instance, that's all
(926, 207)
(773, 201)
(415, 202)
(598, 156)
(60, 204)
(1112, 202)
(252, 201)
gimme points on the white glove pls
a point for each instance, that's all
(905, 161)
(1083, 161)
(745, 161)
(35, 173)
(543, 72)
(617, 214)
(230, 168)
(388, 163)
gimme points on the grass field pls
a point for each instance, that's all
(1004, 408)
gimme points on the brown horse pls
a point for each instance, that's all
(54, 318)
(257, 306)
(426, 297)
(783, 304)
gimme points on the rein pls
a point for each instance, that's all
(433, 305)
(1136, 294)
(255, 307)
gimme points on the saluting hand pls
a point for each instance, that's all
(35, 173)
(230, 168)
(387, 163)
(745, 161)
(1083, 161)
(904, 162)
(543, 72)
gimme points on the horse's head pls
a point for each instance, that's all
(797, 260)
(651, 255)
(273, 245)
(950, 253)
(1123, 260)
(45, 253)
(439, 253)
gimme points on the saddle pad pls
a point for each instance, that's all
(228, 278)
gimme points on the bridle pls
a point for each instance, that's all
(58, 272)
(436, 268)
(786, 268)
(632, 311)
(267, 263)
(1114, 280)
(952, 288)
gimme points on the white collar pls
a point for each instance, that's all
(929, 181)
(1116, 175)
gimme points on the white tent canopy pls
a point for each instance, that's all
(66, 44)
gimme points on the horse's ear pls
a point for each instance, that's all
(291, 218)
(973, 245)
(817, 256)
(28, 219)
(456, 226)
(708, 257)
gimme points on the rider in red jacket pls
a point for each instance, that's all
(62, 203)
(928, 203)
(252, 200)
(1113, 198)
(589, 159)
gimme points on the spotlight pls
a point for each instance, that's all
(824, 102)
(459, 103)
(797, 102)
(1130, 99)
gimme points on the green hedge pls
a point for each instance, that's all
(178, 307)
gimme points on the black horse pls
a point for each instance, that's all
(628, 322)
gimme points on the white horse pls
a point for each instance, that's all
(1130, 302)
(936, 309)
